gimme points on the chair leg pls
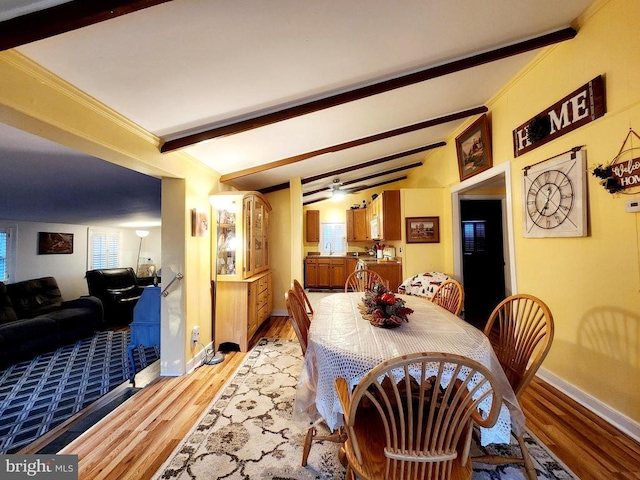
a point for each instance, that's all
(311, 432)
(528, 464)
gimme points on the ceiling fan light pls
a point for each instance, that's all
(337, 195)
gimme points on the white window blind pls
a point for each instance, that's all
(104, 249)
(7, 252)
(333, 238)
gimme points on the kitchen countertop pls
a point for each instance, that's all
(364, 258)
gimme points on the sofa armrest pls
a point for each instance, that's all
(88, 301)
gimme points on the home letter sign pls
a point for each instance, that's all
(576, 109)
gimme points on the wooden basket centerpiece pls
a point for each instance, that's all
(384, 309)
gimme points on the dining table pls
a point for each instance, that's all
(342, 343)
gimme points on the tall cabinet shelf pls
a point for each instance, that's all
(244, 293)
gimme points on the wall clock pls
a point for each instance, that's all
(555, 197)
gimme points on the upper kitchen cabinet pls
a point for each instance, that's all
(357, 225)
(242, 248)
(313, 226)
(385, 216)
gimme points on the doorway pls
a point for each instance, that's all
(482, 258)
(486, 278)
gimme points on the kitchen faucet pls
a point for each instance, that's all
(330, 251)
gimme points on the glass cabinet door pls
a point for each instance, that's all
(227, 241)
(258, 237)
(248, 237)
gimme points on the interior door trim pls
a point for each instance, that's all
(491, 176)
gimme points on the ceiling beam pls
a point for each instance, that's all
(355, 143)
(259, 119)
(359, 189)
(64, 18)
(372, 163)
(368, 177)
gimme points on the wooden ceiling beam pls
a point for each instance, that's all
(372, 163)
(355, 143)
(259, 119)
(64, 18)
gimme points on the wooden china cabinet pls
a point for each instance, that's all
(244, 292)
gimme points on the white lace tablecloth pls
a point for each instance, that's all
(343, 344)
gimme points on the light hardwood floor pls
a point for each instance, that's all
(134, 440)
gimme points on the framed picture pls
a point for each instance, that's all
(423, 229)
(55, 243)
(474, 149)
(199, 223)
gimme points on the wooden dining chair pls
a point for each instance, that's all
(405, 419)
(449, 295)
(362, 280)
(521, 330)
(297, 287)
(301, 324)
(299, 318)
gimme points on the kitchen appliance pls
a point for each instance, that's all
(375, 228)
(389, 253)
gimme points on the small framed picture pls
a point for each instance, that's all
(55, 243)
(199, 223)
(474, 149)
(423, 229)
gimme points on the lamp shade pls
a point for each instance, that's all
(142, 233)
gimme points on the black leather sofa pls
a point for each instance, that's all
(119, 292)
(34, 319)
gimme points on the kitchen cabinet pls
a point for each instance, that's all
(386, 208)
(389, 271)
(312, 226)
(357, 225)
(241, 307)
(350, 266)
(325, 272)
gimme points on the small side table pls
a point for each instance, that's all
(145, 328)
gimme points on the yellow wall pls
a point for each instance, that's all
(591, 284)
(280, 235)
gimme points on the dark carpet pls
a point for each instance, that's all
(38, 395)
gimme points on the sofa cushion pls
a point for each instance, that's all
(7, 313)
(31, 298)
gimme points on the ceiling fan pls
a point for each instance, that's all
(337, 191)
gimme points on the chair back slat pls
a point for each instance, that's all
(297, 287)
(522, 329)
(299, 318)
(362, 280)
(420, 405)
(449, 295)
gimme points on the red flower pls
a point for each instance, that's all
(388, 298)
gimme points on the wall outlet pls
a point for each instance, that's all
(195, 335)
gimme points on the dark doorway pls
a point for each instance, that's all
(482, 258)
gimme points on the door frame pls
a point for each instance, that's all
(499, 175)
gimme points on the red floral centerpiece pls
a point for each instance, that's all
(383, 309)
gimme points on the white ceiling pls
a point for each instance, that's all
(187, 65)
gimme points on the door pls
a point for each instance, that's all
(482, 258)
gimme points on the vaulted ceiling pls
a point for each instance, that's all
(337, 93)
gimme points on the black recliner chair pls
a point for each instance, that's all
(119, 292)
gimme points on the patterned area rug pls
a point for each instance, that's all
(247, 432)
(38, 395)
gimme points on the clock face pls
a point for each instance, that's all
(554, 197)
(550, 199)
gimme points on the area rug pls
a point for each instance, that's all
(38, 395)
(247, 432)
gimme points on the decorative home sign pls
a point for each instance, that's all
(423, 229)
(575, 110)
(55, 243)
(623, 173)
(474, 149)
(555, 196)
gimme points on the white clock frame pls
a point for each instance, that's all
(573, 165)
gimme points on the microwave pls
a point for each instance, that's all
(375, 228)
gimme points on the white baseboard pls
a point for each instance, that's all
(198, 358)
(279, 313)
(615, 418)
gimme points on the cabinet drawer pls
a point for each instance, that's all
(263, 313)
(262, 299)
(263, 283)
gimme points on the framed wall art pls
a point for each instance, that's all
(423, 229)
(199, 223)
(55, 243)
(474, 149)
